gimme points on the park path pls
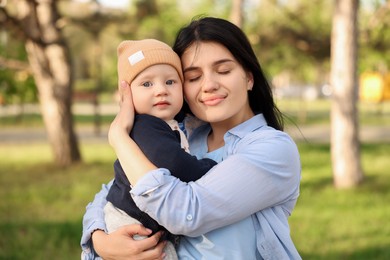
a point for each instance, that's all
(310, 134)
(300, 133)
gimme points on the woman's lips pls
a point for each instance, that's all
(213, 100)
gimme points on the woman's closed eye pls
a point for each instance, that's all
(191, 77)
(224, 72)
(224, 68)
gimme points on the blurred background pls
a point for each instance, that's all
(328, 62)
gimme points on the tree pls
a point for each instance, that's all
(38, 23)
(236, 15)
(292, 39)
(345, 147)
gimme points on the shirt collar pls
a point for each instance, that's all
(249, 125)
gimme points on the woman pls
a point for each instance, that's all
(240, 208)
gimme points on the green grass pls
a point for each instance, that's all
(343, 224)
(42, 206)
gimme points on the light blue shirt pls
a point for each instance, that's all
(238, 210)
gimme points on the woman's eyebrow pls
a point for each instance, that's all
(215, 63)
(222, 61)
(190, 69)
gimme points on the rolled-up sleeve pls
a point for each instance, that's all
(259, 171)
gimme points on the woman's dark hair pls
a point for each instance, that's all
(210, 29)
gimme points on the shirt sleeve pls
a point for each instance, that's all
(94, 219)
(260, 172)
(161, 145)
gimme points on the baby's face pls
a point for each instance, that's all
(158, 91)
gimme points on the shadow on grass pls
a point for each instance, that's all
(375, 185)
(372, 184)
(377, 253)
(317, 167)
(317, 184)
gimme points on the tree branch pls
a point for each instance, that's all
(14, 64)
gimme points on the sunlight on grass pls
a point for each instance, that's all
(43, 206)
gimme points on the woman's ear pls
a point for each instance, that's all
(250, 81)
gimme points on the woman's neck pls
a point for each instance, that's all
(219, 129)
(215, 140)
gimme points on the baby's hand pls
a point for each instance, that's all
(124, 120)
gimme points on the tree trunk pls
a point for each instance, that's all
(50, 62)
(345, 146)
(236, 15)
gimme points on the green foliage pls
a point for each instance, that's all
(15, 86)
(374, 42)
(42, 205)
(292, 37)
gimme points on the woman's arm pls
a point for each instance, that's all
(119, 244)
(124, 146)
(263, 172)
(94, 219)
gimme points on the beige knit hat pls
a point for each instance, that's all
(136, 56)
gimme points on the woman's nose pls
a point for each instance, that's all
(209, 83)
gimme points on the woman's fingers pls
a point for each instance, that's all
(126, 112)
(123, 121)
(125, 93)
(153, 249)
(133, 230)
(148, 248)
(120, 244)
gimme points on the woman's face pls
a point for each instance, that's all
(216, 85)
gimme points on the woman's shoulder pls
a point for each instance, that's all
(267, 134)
(257, 132)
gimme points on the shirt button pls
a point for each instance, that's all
(189, 217)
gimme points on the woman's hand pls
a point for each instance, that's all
(123, 122)
(133, 161)
(121, 245)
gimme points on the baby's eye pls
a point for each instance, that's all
(170, 82)
(147, 84)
